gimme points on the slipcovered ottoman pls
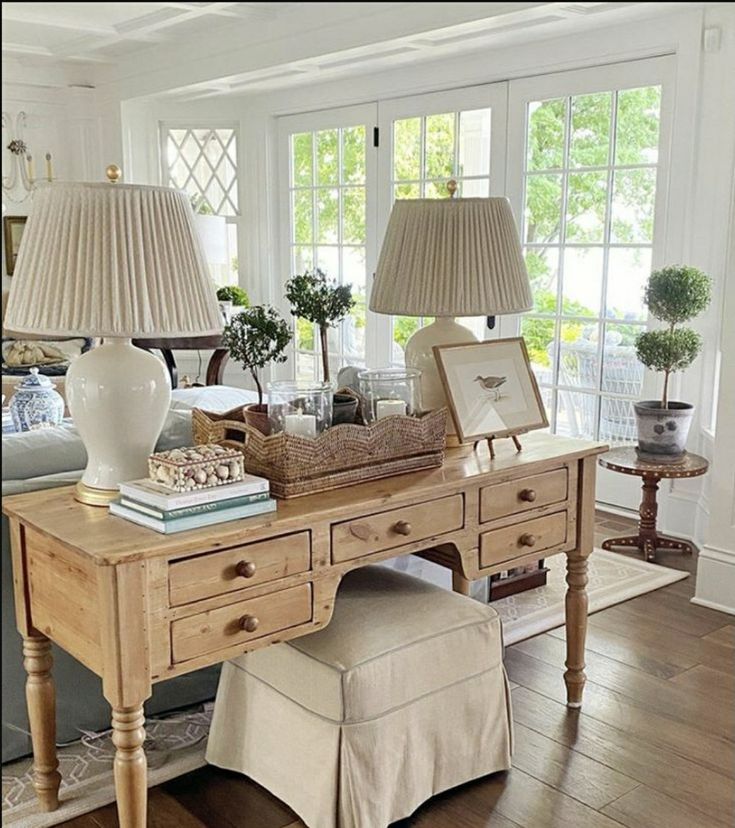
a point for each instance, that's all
(401, 696)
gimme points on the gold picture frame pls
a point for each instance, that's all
(13, 233)
(491, 389)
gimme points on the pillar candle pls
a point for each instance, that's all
(388, 408)
(302, 424)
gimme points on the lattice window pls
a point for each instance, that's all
(203, 162)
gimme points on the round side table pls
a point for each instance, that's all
(648, 540)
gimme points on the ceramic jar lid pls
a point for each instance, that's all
(35, 382)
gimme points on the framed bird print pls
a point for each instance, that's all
(491, 389)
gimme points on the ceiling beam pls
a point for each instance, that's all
(26, 14)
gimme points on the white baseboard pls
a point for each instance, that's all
(716, 579)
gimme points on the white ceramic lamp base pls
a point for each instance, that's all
(445, 330)
(118, 397)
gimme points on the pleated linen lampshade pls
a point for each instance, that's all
(446, 258)
(114, 261)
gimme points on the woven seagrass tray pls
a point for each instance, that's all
(341, 456)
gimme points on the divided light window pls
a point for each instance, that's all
(327, 196)
(590, 186)
(202, 161)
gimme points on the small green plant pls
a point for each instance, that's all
(673, 295)
(255, 338)
(317, 299)
(234, 294)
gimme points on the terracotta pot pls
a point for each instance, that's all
(662, 432)
(344, 409)
(256, 415)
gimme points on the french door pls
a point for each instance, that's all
(587, 173)
(581, 155)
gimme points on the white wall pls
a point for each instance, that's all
(62, 121)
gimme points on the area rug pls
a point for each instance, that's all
(175, 745)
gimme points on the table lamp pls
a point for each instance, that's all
(447, 258)
(114, 261)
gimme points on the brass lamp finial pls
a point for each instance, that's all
(114, 173)
(451, 187)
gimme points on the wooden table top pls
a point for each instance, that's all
(107, 539)
(626, 461)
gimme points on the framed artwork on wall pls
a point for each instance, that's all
(491, 389)
(13, 227)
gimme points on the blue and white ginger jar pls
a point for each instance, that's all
(36, 402)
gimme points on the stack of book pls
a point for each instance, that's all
(157, 507)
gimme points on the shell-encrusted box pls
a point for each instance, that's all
(197, 467)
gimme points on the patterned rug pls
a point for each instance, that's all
(175, 744)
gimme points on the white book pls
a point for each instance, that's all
(167, 527)
(154, 494)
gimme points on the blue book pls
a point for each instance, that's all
(167, 527)
(187, 511)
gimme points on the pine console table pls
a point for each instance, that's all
(137, 607)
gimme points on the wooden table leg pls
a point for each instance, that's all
(648, 511)
(576, 608)
(131, 784)
(460, 584)
(41, 701)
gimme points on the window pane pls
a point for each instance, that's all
(617, 421)
(590, 133)
(627, 273)
(576, 414)
(403, 328)
(353, 215)
(639, 116)
(543, 270)
(407, 191)
(578, 363)
(539, 336)
(474, 142)
(634, 194)
(302, 259)
(302, 160)
(327, 205)
(305, 366)
(305, 335)
(582, 281)
(436, 189)
(546, 134)
(327, 258)
(407, 149)
(622, 372)
(586, 203)
(327, 157)
(303, 219)
(543, 208)
(353, 155)
(440, 146)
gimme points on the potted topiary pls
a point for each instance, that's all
(673, 295)
(255, 338)
(229, 297)
(317, 299)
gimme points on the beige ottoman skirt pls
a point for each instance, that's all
(401, 697)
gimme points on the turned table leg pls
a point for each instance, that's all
(41, 701)
(128, 735)
(648, 511)
(576, 607)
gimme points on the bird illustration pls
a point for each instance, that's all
(492, 384)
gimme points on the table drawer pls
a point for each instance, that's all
(239, 623)
(229, 570)
(374, 533)
(535, 535)
(518, 496)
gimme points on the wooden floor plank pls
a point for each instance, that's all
(566, 770)
(725, 636)
(660, 769)
(669, 610)
(716, 685)
(649, 693)
(648, 657)
(646, 808)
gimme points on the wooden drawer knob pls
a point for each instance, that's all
(402, 527)
(527, 539)
(249, 623)
(245, 569)
(528, 495)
